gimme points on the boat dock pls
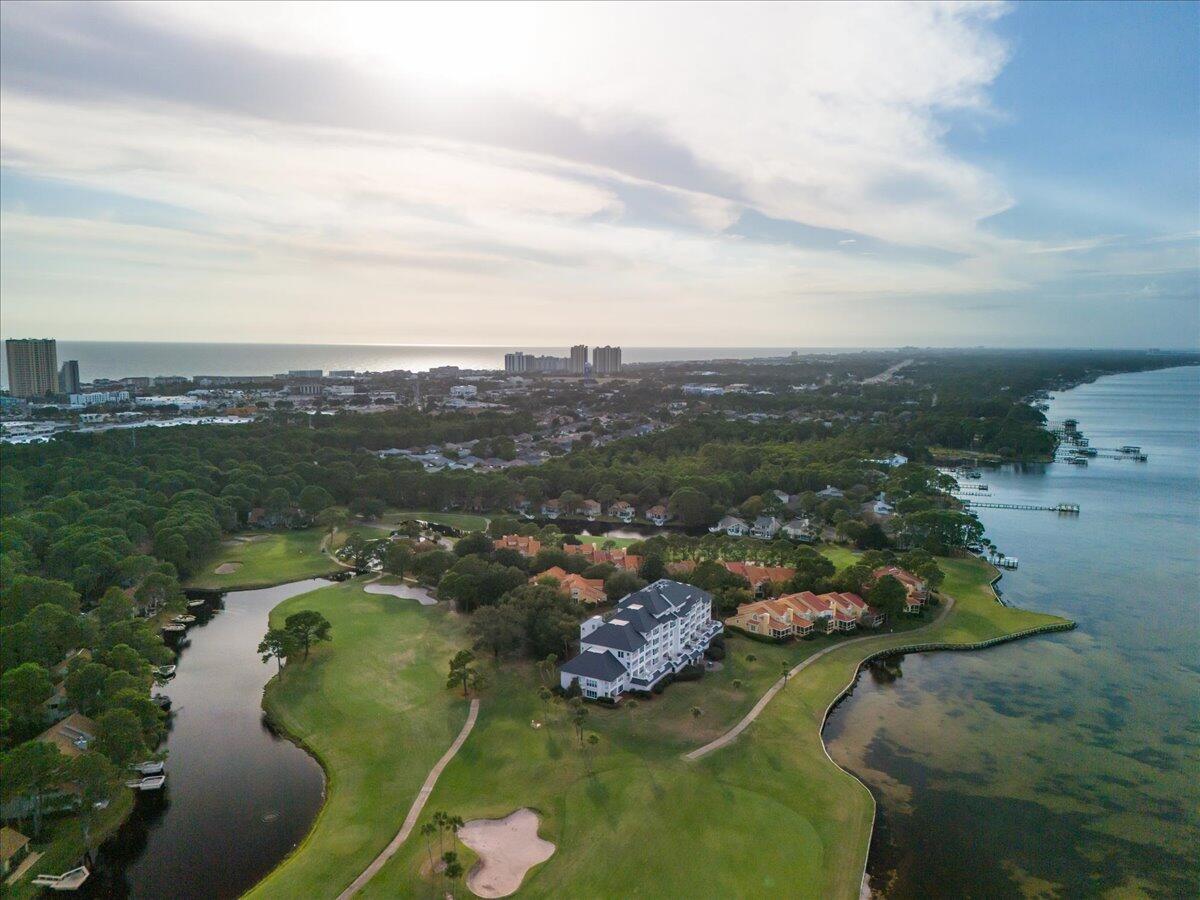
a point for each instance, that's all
(1071, 508)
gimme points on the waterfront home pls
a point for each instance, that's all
(892, 462)
(623, 511)
(657, 515)
(14, 847)
(829, 492)
(760, 577)
(765, 527)
(596, 555)
(915, 590)
(72, 736)
(551, 509)
(591, 509)
(526, 546)
(796, 615)
(655, 632)
(732, 526)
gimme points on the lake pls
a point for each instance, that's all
(1063, 765)
(238, 797)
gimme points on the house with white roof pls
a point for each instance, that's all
(765, 527)
(732, 526)
(654, 632)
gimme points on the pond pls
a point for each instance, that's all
(238, 797)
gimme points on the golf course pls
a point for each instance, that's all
(373, 707)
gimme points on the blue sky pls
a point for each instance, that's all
(757, 175)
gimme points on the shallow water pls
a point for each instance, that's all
(1065, 763)
(238, 797)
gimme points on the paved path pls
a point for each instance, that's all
(415, 810)
(729, 736)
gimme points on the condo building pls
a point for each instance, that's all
(32, 366)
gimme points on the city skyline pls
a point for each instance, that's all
(1016, 175)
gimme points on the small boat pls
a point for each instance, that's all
(162, 701)
(1140, 457)
(149, 783)
(1077, 461)
(981, 487)
(1129, 448)
(150, 767)
(184, 620)
(164, 671)
(68, 881)
(195, 604)
(174, 627)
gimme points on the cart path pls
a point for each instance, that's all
(415, 810)
(731, 735)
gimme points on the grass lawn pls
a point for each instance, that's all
(465, 521)
(601, 539)
(374, 706)
(264, 559)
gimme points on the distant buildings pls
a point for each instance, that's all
(606, 360)
(305, 373)
(464, 391)
(99, 398)
(68, 377)
(579, 359)
(32, 366)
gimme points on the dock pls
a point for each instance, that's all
(1071, 508)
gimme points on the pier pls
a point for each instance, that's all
(1071, 508)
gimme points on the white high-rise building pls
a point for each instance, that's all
(606, 360)
(579, 359)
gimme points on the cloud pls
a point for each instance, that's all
(725, 172)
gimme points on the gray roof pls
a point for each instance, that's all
(664, 596)
(616, 637)
(595, 664)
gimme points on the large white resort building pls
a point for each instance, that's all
(654, 632)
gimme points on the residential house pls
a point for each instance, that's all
(829, 492)
(799, 530)
(14, 847)
(73, 735)
(916, 590)
(578, 588)
(657, 515)
(622, 510)
(654, 632)
(760, 576)
(526, 546)
(732, 526)
(881, 509)
(551, 509)
(591, 509)
(596, 555)
(765, 527)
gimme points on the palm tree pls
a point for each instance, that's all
(697, 712)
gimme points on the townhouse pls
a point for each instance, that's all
(916, 590)
(596, 555)
(578, 588)
(797, 615)
(760, 577)
(526, 546)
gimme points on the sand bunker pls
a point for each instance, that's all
(227, 568)
(408, 592)
(507, 848)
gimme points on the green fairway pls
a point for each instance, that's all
(263, 559)
(372, 705)
(375, 709)
(463, 521)
(601, 539)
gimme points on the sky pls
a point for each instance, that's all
(811, 174)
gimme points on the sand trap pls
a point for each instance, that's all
(405, 591)
(507, 848)
(227, 568)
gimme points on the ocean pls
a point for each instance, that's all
(109, 359)
(1063, 765)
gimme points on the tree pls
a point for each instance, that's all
(85, 686)
(29, 770)
(451, 867)
(593, 741)
(332, 518)
(24, 690)
(94, 776)
(314, 498)
(690, 506)
(652, 569)
(579, 719)
(396, 557)
(697, 712)
(475, 542)
(306, 628)
(462, 672)
(276, 645)
(786, 669)
(888, 595)
(497, 629)
(621, 583)
(114, 606)
(119, 736)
